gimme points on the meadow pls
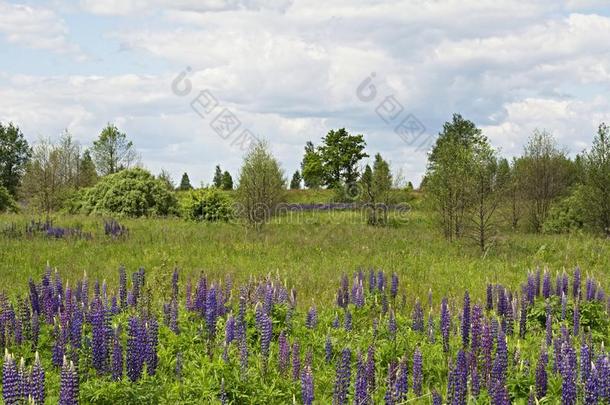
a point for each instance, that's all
(317, 307)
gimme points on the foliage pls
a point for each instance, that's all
(112, 151)
(596, 181)
(14, 155)
(295, 182)
(130, 192)
(185, 183)
(208, 205)
(261, 185)
(311, 167)
(217, 180)
(166, 178)
(339, 153)
(375, 186)
(7, 203)
(568, 214)
(227, 181)
(542, 172)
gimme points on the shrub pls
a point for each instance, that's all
(209, 205)
(132, 193)
(567, 215)
(7, 203)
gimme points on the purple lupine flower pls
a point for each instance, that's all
(401, 384)
(34, 298)
(547, 288)
(35, 329)
(99, 339)
(576, 319)
(10, 380)
(372, 281)
(360, 391)
(500, 393)
(475, 387)
(296, 361)
(523, 319)
(68, 385)
(489, 297)
(476, 329)
(417, 372)
(136, 349)
(445, 324)
(392, 325)
(348, 321)
(230, 330)
(466, 320)
(590, 287)
(418, 317)
(210, 312)
(343, 378)
(266, 334)
(389, 392)
(576, 284)
(243, 354)
(384, 303)
(283, 352)
(117, 355)
(59, 347)
(76, 327)
(592, 388)
(328, 349)
(602, 366)
(394, 286)
(380, 281)
(307, 386)
(460, 379)
(501, 361)
(557, 354)
(37, 380)
(585, 362)
(541, 374)
(436, 398)
(568, 374)
(223, 394)
(312, 318)
(151, 335)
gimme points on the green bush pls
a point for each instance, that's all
(567, 215)
(132, 193)
(7, 203)
(206, 205)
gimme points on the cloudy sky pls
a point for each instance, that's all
(190, 80)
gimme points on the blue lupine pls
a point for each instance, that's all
(460, 380)
(576, 284)
(401, 384)
(307, 386)
(392, 325)
(445, 324)
(541, 374)
(99, 339)
(592, 388)
(394, 286)
(389, 397)
(10, 380)
(283, 352)
(312, 318)
(136, 349)
(360, 389)
(576, 319)
(549, 326)
(343, 378)
(547, 288)
(466, 320)
(370, 369)
(266, 333)
(568, 374)
(348, 321)
(328, 349)
(210, 312)
(475, 387)
(68, 384)
(585, 363)
(436, 398)
(417, 372)
(151, 335)
(476, 328)
(489, 297)
(37, 381)
(59, 346)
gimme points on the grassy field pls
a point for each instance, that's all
(310, 251)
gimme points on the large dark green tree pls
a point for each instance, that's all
(227, 181)
(596, 181)
(340, 153)
(217, 180)
(312, 170)
(185, 183)
(375, 186)
(87, 175)
(295, 182)
(14, 155)
(112, 151)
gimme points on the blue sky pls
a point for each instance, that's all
(289, 71)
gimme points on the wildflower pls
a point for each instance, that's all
(307, 387)
(343, 378)
(466, 320)
(417, 372)
(68, 385)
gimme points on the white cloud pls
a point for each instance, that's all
(36, 27)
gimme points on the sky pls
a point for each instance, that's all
(193, 82)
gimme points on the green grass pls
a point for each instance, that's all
(311, 252)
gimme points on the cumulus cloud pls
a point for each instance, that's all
(290, 70)
(36, 27)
